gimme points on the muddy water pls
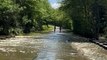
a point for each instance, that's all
(48, 46)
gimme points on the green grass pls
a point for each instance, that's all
(45, 29)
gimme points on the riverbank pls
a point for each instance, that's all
(45, 30)
(101, 42)
(91, 50)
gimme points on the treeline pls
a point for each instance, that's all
(23, 16)
(89, 16)
(61, 19)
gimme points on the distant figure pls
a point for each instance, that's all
(54, 28)
(60, 28)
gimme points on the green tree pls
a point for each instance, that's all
(88, 17)
(9, 17)
(34, 14)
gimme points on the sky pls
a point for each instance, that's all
(54, 4)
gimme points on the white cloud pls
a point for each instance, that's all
(55, 5)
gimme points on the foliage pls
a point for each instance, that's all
(25, 16)
(89, 16)
(8, 16)
(61, 19)
(19, 16)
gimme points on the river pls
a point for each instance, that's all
(42, 46)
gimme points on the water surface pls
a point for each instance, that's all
(48, 46)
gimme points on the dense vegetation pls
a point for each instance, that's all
(19, 16)
(25, 16)
(89, 16)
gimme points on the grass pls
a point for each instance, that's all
(45, 30)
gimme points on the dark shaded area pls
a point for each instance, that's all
(89, 16)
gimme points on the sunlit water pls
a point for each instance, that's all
(48, 46)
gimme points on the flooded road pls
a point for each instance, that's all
(48, 46)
